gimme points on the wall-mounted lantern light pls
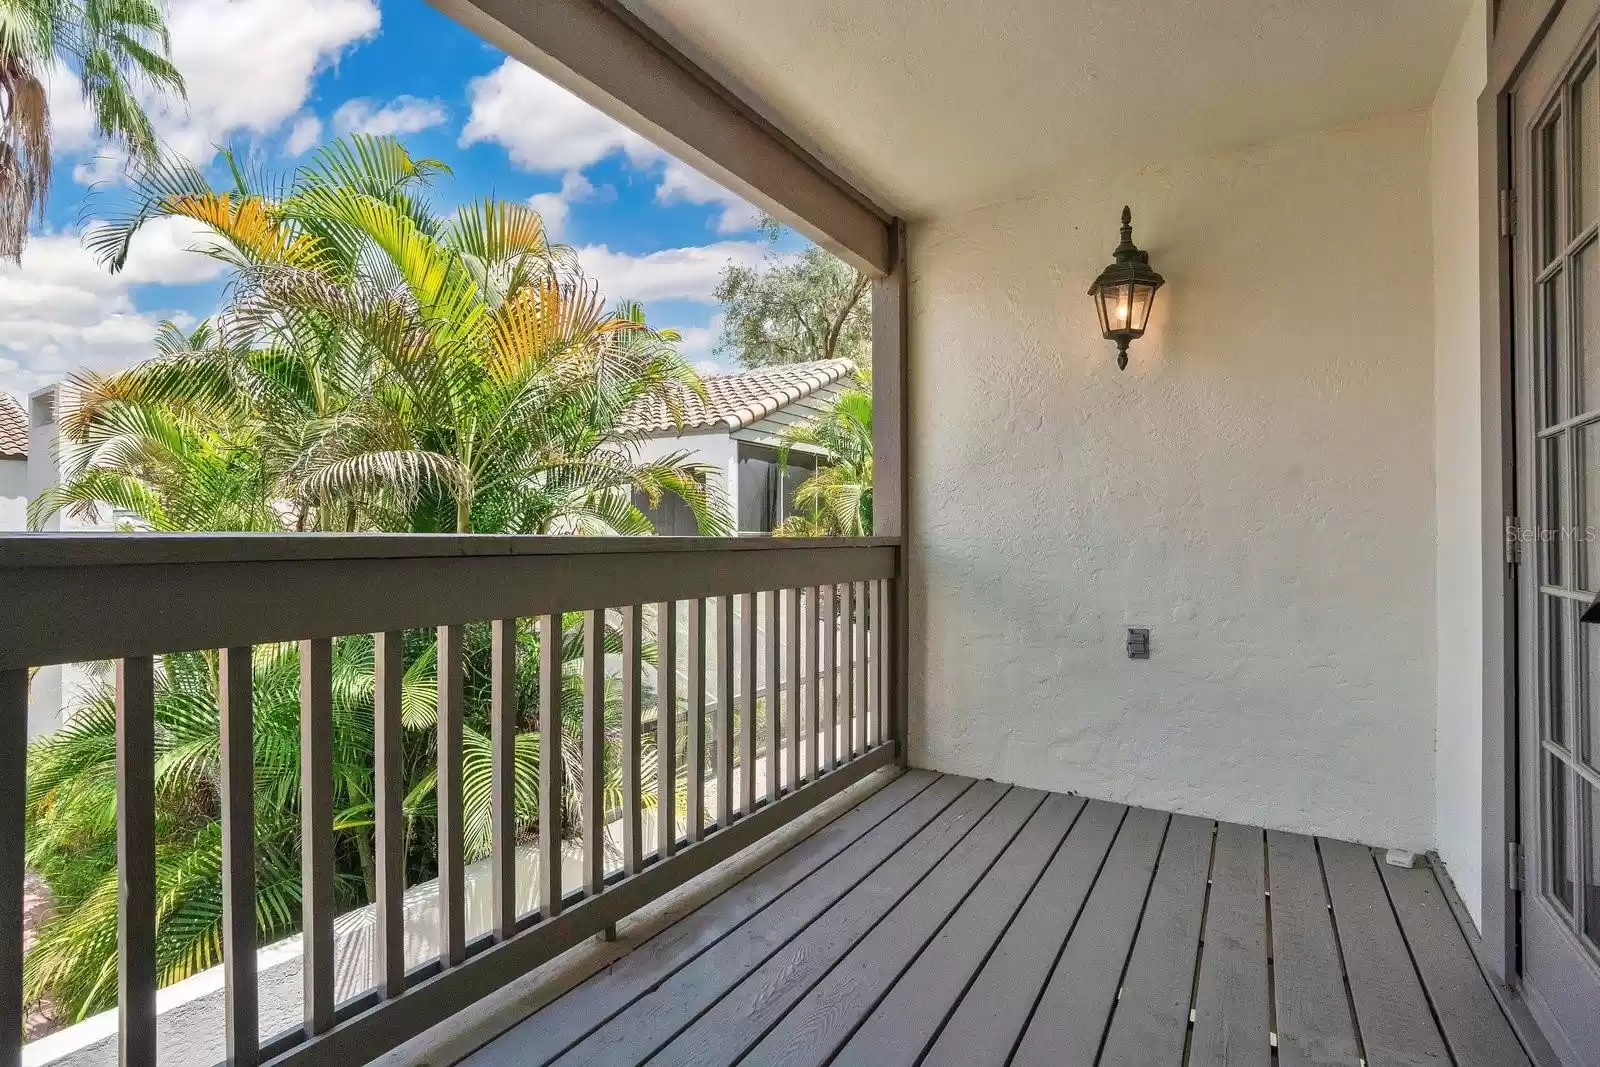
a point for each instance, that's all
(1125, 292)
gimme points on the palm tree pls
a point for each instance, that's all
(114, 47)
(72, 800)
(837, 499)
(391, 369)
(379, 368)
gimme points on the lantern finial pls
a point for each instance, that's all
(1127, 226)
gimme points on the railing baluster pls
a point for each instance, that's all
(632, 754)
(888, 641)
(791, 630)
(388, 757)
(851, 714)
(827, 636)
(136, 860)
(774, 697)
(695, 787)
(242, 1030)
(503, 799)
(316, 832)
(551, 638)
(748, 669)
(13, 868)
(862, 713)
(813, 599)
(666, 729)
(594, 749)
(452, 889)
(724, 724)
(875, 660)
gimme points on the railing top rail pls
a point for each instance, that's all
(21, 550)
(72, 598)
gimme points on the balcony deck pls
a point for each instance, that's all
(951, 921)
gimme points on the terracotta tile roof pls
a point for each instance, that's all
(13, 429)
(734, 401)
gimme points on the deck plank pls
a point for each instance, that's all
(1151, 1021)
(1474, 1026)
(588, 1006)
(1314, 1025)
(825, 1017)
(900, 1027)
(1071, 1018)
(986, 1024)
(945, 921)
(911, 883)
(1231, 1013)
(652, 1019)
(658, 1016)
(1392, 1016)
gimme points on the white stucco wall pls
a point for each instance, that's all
(1257, 487)
(13, 494)
(715, 449)
(1458, 460)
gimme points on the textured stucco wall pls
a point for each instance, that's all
(13, 494)
(1458, 458)
(1257, 487)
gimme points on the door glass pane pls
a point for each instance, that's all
(1555, 545)
(1558, 875)
(1549, 187)
(1589, 711)
(1585, 538)
(1587, 278)
(1586, 159)
(1558, 650)
(1555, 395)
(1591, 869)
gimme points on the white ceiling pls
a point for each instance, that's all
(941, 105)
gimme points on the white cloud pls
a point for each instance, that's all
(541, 125)
(248, 65)
(71, 122)
(679, 181)
(671, 274)
(107, 165)
(402, 115)
(60, 311)
(698, 342)
(304, 135)
(554, 208)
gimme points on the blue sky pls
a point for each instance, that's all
(273, 78)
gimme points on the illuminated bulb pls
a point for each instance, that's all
(1122, 313)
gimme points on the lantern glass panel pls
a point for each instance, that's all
(1116, 308)
(1139, 304)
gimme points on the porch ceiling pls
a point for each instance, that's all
(940, 105)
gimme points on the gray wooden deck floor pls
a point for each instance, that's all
(957, 922)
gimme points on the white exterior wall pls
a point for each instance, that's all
(1458, 458)
(714, 447)
(13, 494)
(1257, 487)
(54, 690)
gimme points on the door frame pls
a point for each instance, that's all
(1516, 29)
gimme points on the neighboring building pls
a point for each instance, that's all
(13, 465)
(28, 466)
(738, 428)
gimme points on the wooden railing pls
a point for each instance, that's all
(808, 612)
